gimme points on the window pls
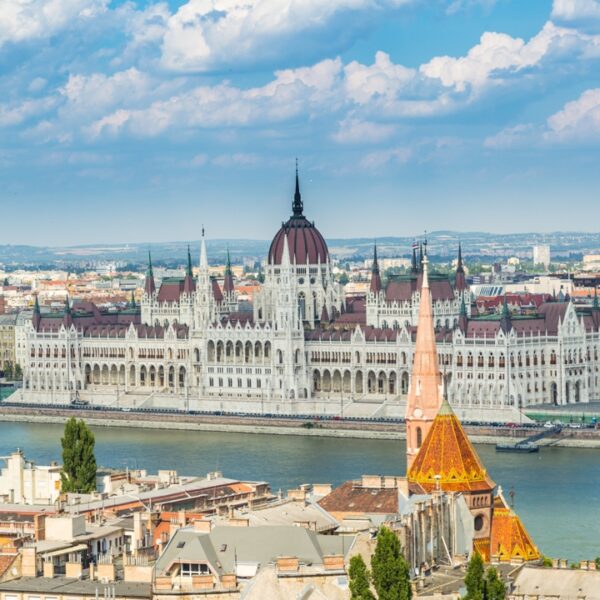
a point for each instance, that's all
(189, 569)
(479, 522)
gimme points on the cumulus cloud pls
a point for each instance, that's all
(498, 56)
(574, 10)
(578, 119)
(207, 35)
(24, 20)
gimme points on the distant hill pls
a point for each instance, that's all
(442, 245)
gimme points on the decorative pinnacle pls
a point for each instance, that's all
(297, 207)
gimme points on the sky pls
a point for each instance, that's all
(142, 121)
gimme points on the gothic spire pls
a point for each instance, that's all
(375, 275)
(149, 285)
(189, 271)
(297, 206)
(414, 269)
(460, 282)
(228, 286)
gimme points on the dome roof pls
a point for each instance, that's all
(305, 242)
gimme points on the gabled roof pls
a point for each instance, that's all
(447, 453)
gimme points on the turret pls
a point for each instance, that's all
(375, 275)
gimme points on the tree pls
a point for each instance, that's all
(474, 578)
(494, 588)
(391, 576)
(79, 463)
(359, 579)
(18, 372)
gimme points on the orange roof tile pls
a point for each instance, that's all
(510, 539)
(448, 453)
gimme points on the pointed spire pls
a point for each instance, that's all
(297, 206)
(149, 285)
(285, 255)
(203, 255)
(228, 286)
(375, 275)
(424, 399)
(460, 282)
(420, 257)
(37, 314)
(132, 303)
(189, 270)
(414, 268)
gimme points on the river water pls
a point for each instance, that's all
(557, 491)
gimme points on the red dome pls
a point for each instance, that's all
(305, 243)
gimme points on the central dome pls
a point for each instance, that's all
(305, 242)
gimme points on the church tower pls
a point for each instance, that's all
(424, 398)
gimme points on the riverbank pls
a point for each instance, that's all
(570, 438)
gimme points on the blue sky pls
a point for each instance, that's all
(142, 120)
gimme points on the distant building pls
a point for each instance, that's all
(591, 262)
(541, 255)
(7, 340)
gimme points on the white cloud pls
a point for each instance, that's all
(23, 20)
(236, 159)
(574, 10)
(499, 56)
(292, 92)
(355, 131)
(383, 79)
(17, 113)
(205, 35)
(578, 120)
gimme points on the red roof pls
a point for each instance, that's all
(305, 242)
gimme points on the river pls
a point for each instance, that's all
(557, 491)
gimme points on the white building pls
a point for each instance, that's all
(23, 482)
(306, 347)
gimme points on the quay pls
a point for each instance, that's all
(283, 425)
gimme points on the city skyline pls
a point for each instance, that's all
(142, 121)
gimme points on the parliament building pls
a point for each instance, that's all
(305, 347)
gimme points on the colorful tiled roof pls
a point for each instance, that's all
(510, 539)
(448, 453)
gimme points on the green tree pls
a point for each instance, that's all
(18, 372)
(494, 588)
(390, 570)
(474, 581)
(359, 579)
(597, 561)
(79, 463)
